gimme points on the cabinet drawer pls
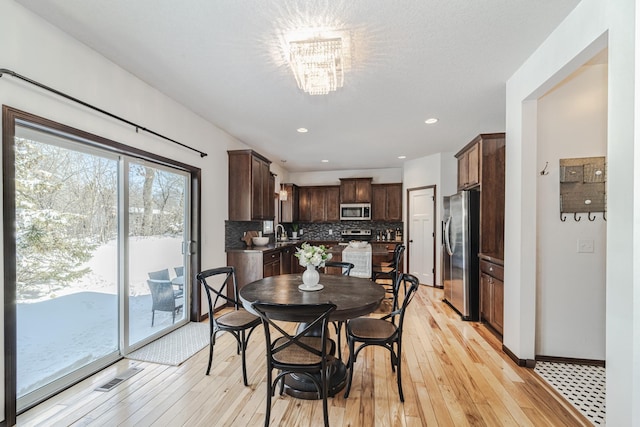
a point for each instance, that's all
(493, 270)
(270, 256)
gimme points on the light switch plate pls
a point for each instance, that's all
(585, 246)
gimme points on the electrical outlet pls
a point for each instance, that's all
(330, 232)
(585, 246)
(301, 231)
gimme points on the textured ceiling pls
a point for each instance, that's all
(410, 60)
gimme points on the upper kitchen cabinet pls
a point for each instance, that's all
(469, 166)
(355, 190)
(479, 160)
(289, 209)
(251, 187)
(319, 203)
(386, 202)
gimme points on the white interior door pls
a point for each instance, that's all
(422, 235)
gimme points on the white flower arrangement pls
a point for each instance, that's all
(312, 255)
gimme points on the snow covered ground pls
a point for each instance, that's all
(79, 324)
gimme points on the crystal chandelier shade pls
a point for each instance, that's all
(317, 64)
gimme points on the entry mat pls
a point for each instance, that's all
(581, 385)
(175, 347)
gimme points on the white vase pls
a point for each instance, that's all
(294, 234)
(310, 277)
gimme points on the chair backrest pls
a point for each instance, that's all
(311, 317)
(217, 293)
(345, 266)
(159, 275)
(179, 271)
(162, 294)
(397, 256)
(408, 296)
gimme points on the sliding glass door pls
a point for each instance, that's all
(100, 259)
(156, 236)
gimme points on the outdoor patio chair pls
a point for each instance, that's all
(236, 322)
(163, 298)
(299, 354)
(164, 275)
(383, 332)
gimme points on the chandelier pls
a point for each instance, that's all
(317, 64)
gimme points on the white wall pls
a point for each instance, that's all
(380, 176)
(34, 48)
(440, 170)
(591, 26)
(570, 316)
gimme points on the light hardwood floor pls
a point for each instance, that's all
(454, 374)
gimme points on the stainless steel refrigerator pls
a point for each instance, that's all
(460, 264)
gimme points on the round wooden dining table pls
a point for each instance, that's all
(353, 297)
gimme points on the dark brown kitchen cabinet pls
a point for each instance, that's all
(288, 260)
(251, 187)
(332, 205)
(386, 202)
(290, 208)
(492, 295)
(319, 203)
(355, 190)
(487, 154)
(271, 263)
(469, 167)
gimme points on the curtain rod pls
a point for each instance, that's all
(71, 98)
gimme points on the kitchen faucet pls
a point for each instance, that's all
(283, 235)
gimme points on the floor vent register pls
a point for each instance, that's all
(119, 378)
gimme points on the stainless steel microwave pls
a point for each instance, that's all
(355, 211)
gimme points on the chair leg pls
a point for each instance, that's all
(267, 415)
(212, 342)
(153, 315)
(338, 333)
(399, 374)
(325, 393)
(350, 364)
(244, 362)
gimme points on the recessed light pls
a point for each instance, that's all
(325, 161)
(302, 130)
(402, 157)
(431, 121)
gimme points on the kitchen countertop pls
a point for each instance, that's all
(334, 246)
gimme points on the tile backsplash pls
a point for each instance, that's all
(234, 230)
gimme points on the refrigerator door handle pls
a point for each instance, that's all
(447, 241)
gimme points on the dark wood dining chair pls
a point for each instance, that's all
(237, 322)
(390, 271)
(384, 332)
(303, 353)
(346, 268)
